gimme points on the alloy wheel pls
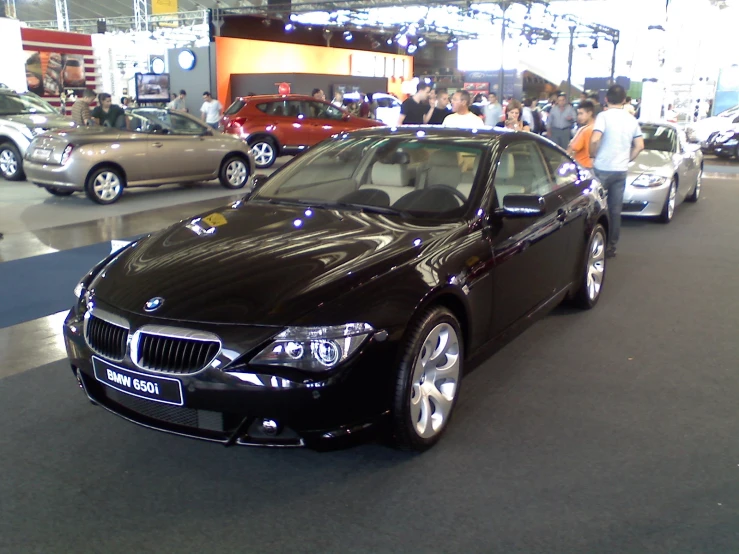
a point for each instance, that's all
(435, 381)
(236, 173)
(263, 152)
(8, 163)
(671, 201)
(596, 265)
(107, 186)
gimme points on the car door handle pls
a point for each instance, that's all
(157, 144)
(561, 215)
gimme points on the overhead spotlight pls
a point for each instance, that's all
(403, 41)
(412, 48)
(595, 44)
(348, 36)
(289, 27)
(421, 42)
(451, 43)
(389, 41)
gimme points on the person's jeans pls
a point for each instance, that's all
(614, 182)
(214, 125)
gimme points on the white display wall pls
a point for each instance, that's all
(12, 70)
(121, 56)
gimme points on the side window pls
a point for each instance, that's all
(736, 120)
(563, 170)
(273, 108)
(182, 125)
(319, 110)
(521, 170)
(295, 109)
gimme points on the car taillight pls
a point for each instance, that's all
(235, 122)
(67, 153)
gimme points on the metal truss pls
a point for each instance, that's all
(126, 23)
(10, 9)
(62, 15)
(141, 15)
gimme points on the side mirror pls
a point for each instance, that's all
(523, 205)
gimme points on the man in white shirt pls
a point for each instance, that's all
(617, 139)
(462, 118)
(493, 111)
(211, 110)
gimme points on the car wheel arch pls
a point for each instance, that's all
(453, 299)
(264, 135)
(111, 165)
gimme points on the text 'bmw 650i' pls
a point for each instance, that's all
(345, 293)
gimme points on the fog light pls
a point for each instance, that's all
(270, 427)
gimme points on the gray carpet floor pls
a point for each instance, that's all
(611, 431)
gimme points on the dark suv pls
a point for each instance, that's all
(276, 125)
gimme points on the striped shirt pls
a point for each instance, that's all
(80, 112)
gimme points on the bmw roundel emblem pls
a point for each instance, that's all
(154, 304)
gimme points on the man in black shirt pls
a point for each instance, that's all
(415, 110)
(441, 109)
(108, 114)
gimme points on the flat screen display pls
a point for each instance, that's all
(152, 87)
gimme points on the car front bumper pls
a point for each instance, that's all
(244, 407)
(644, 201)
(50, 175)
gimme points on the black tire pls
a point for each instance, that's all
(696, 194)
(667, 212)
(11, 162)
(584, 298)
(264, 151)
(56, 191)
(103, 172)
(404, 430)
(234, 172)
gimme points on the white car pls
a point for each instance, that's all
(702, 129)
(388, 107)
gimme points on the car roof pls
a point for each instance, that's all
(273, 97)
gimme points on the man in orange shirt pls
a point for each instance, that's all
(580, 144)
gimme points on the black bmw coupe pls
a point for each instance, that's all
(344, 293)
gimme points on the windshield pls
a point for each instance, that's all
(424, 176)
(147, 120)
(730, 112)
(660, 138)
(18, 104)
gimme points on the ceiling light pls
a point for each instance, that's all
(403, 41)
(421, 42)
(289, 27)
(412, 48)
(348, 36)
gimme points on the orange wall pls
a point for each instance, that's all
(237, 55)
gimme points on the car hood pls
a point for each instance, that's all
(42, 122)
(259, 264)
(653, 162)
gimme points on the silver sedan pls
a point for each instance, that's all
(667, 172)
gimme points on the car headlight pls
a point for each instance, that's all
(314, 348)
(646, 180)
(28, 133)
(723, 137)
(79, 290)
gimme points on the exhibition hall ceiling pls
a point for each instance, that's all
(44, 10)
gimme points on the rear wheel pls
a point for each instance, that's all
(11, 163)
(57, 191)
(428, 380)
(594, 274)
(104, 185)
(265, 152)
(668, 210)
(234, 172)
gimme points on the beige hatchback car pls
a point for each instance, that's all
(158, 147)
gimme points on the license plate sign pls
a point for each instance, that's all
(42, 153)
(141, 385)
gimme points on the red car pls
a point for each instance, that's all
(276, 125)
